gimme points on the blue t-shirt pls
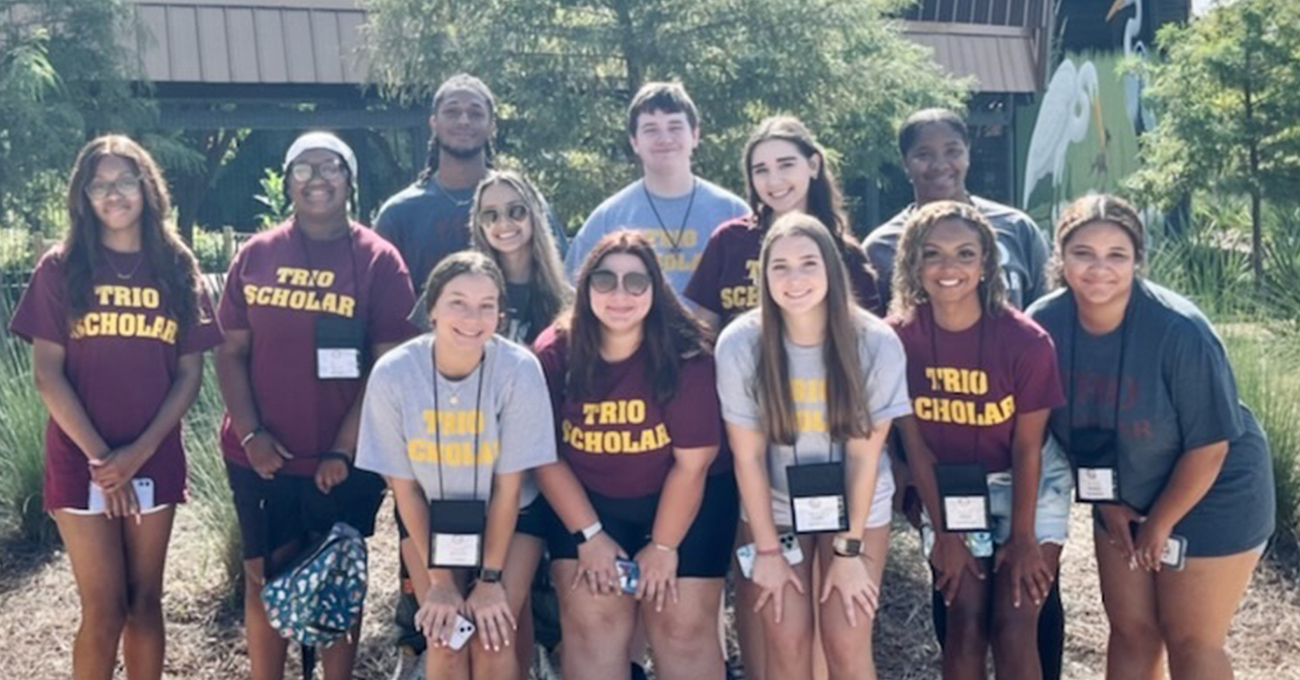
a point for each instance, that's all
(427, 223)
(1174, 393)
(679, 232)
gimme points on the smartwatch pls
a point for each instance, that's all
(843, 546)
(489, 575)
(587, 533)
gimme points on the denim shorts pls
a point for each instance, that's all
(1051, 519)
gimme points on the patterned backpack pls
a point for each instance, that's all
(318, 598)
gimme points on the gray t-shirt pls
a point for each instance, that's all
(1023, 250)
(398, 417)
(1176, 392)
(882, 358)
(629, 209)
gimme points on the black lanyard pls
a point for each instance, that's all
(352, 261)
(979, 364)
(1119, 375)
(437, 421)
(676, 243)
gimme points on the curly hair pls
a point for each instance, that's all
(909, 292)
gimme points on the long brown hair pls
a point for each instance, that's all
(670, 333)
(174, 268)
(846, 395)
(909, 292)
(550, 291)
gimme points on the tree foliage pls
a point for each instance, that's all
(564, 71)
(1227, 97)
(63, 73)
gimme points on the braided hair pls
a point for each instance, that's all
(461, 82)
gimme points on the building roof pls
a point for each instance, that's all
(250, 41)
(1000, 58)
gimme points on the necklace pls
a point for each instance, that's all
(118, 273)
(447, 192)
(674, 243)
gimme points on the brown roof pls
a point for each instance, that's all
(250, 41)
(1000, 58)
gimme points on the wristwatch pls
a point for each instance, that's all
(846, 547)
(587, 533)
(489, 575)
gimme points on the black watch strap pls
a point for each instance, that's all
(489, 575)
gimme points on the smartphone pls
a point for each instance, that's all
(143, 494)
(461, 633)
(745, 554)
(1174, 555)
(629, 575)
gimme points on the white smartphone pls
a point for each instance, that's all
(143, 495)
(461, 633)
(745, 554)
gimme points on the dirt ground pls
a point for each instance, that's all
(39, 611)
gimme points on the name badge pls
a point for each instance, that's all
(1094, 454)
(340, 348)
(456, 531)
(963, 496)
(817, 501)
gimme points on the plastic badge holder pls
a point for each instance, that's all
(817, 502)
(963, 497)
(1094, 453)
(456, 534)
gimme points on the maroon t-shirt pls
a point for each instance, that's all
(121, 358)
(968, 387)
(620, 441)
(726, 279)
(279, 284)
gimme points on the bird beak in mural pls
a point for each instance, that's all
(1117, 6)
(1101, 123)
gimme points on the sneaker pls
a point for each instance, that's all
(410, 666)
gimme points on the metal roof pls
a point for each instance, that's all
(250, 41)
(1001, 59)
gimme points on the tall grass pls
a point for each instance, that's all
(1264, 363)
(22, 454)
(209, 491)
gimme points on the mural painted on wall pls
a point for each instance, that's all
(1081, 135)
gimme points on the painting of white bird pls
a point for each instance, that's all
(1139, 115)
(1070, 104)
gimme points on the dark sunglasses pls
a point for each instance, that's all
(125, 185)
(634, 283)
(515, 213)
(303, 172)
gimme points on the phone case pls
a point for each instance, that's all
(629, 575)
(461, 634)
(790, 549)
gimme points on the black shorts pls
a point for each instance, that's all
(705, 552)
(535, 520)
(275, 512)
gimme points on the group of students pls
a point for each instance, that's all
(581, 411)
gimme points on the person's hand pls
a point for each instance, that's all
(1118, 520)
(658, 575)
(118, 467)
(491, 610)
(858, 592)
(122, 502)
(330, 473)
(1028, 569)
(437, 615)
(772, 574)
(596, 564)
(266, 454)
(952, 562)
(1152, 535)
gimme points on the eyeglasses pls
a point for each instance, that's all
(515, 213)
(127, 186)
(303, 172)
(634, 283)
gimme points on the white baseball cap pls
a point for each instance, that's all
(321, 140)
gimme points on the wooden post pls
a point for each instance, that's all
(228, 242)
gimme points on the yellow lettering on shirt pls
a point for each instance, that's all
(614, 412)
(453, 454)
(126, 324)
(964, 412)
(453, 423)
(957, 380)
(299, 299)
(615, 442)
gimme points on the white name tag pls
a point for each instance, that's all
(456, 550)
(966, 513)
(818, 513)
(1097, 484)
(338, 363)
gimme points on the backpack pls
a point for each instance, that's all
(318, 598)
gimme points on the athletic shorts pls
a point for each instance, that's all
(705, 552)
(275, 512)
(1051, 517)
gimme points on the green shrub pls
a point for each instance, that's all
(209, 249)
(209, 491)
